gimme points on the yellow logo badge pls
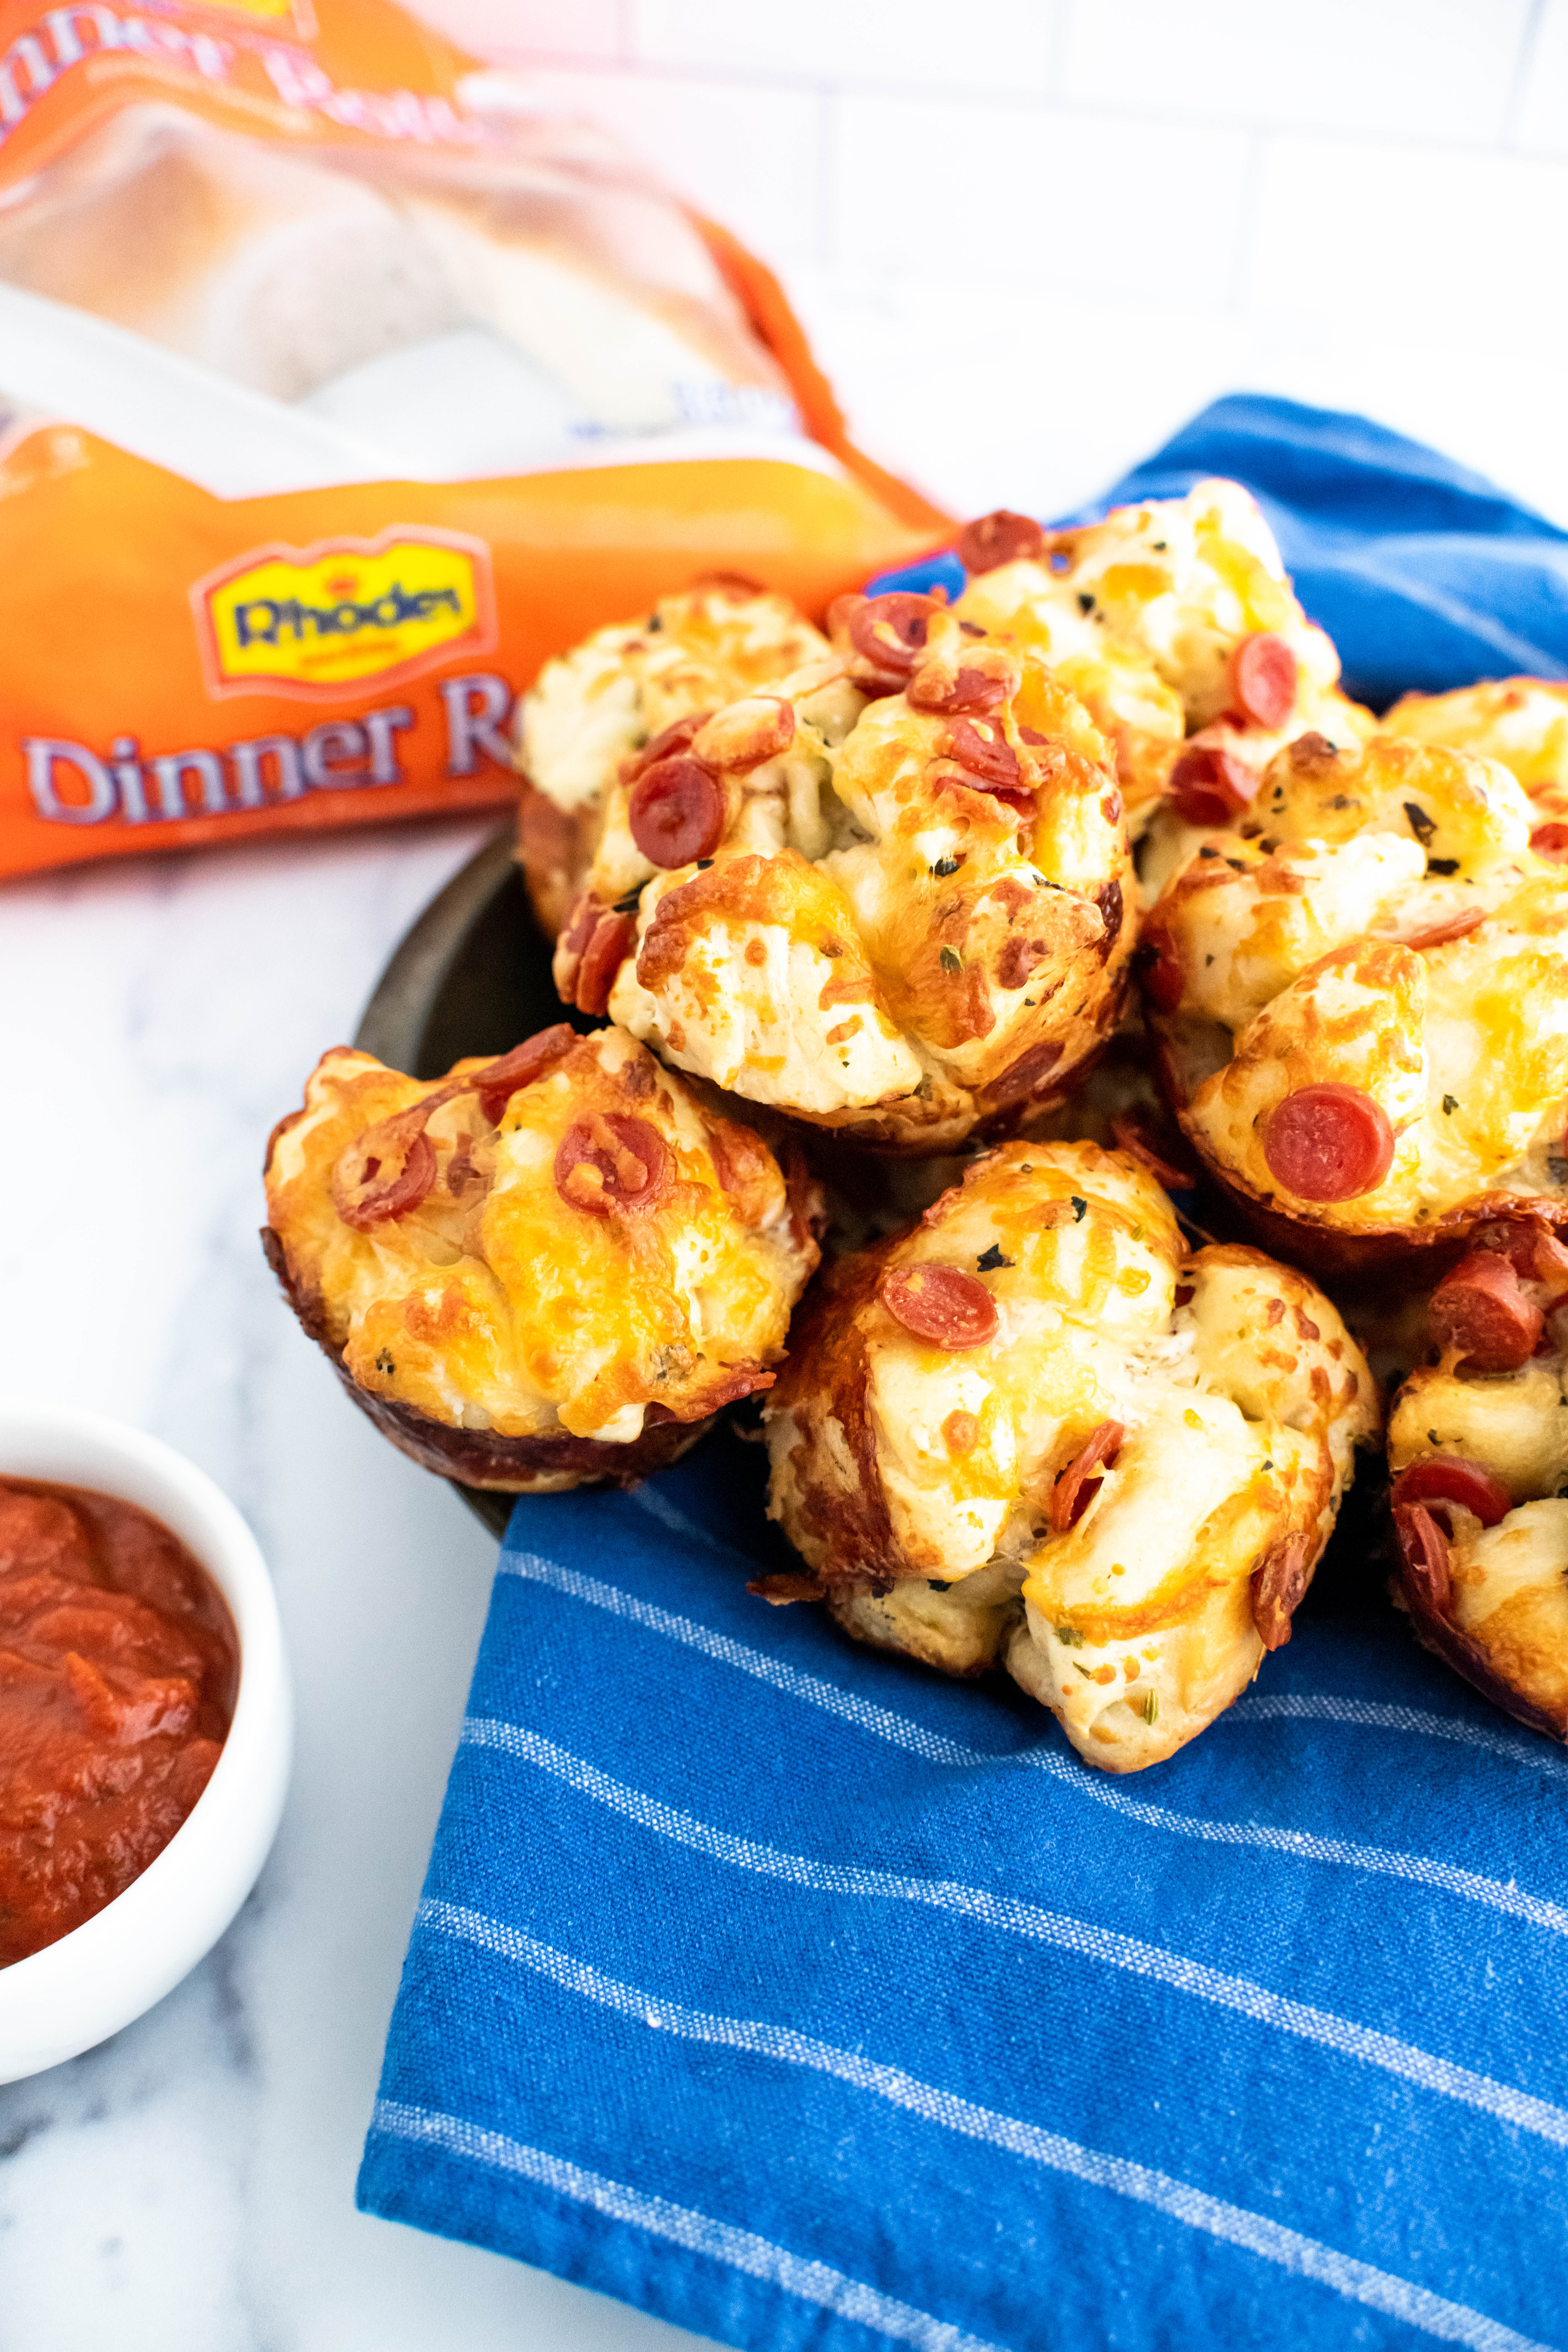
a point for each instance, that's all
(298, 15)
(346, 612)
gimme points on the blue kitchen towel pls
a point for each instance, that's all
(1424, 575)
(809, 1999)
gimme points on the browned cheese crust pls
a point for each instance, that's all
(549, 1280)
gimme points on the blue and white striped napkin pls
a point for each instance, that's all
(808, 2000)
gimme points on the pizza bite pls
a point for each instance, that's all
(1175, 624)
(1036, 1431)
(543, 1271)
(891, 896)
(605, 699)
(1361, 1002)
(1477, 1449)
(1520, 721)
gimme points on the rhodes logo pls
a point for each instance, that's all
(346, 612)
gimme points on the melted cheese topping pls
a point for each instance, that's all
(1240, 1408)
(1175, 583)
(875, 938)
(1520, 721)
(1290, 934)
(591, 707)
(501, 1307)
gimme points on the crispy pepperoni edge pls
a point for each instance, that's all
(1439, 1634)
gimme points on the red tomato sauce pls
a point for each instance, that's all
(118, 1664)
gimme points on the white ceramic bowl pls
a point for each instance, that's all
(76, 1992)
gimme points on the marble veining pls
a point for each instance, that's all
(189, 2187)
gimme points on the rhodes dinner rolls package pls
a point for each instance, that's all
(340, 382)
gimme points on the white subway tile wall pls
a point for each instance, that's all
(1029, 237)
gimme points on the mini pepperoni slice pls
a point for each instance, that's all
(1263, 679)
(1458, 926)
(890, 631)
(974, 690)
(1449, 1479)
(1536, 1255)
(1160, 968)
(839, 615)
(580, 924)
(677, 812)
(607, 1161)
(992, 539)
(497, 1084)
(602, 959)
(387, 1173)
(677, 737)
(1328, 1143)
(1278, 1583)
(757, 727)
(1077, 1487)
(1208, 786)
(1481, 1311)
(939, 1303)
(989, 757)
(1424, 1548)
(1549, 840)
(1135, 1132)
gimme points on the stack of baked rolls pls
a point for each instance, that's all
(541, 1271)
(868, 892)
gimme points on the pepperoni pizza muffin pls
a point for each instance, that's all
(1478, 1445)
(1035, 1432)
(891, 896)
(1523, 721)
(600, 703)
(540, 1272)
(1175, 624)
(1361, 1002)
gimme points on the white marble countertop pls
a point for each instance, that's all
(189, 2187)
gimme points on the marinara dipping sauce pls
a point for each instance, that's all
(119, 1665)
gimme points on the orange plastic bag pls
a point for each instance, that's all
(212, 190)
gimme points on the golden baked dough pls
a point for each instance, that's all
(1520, 721)
(540, 1272)
(941, 1490)
(892, 896)
(1478, 1445)
(588, 708)
(1142, 616)
(1378, 928)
